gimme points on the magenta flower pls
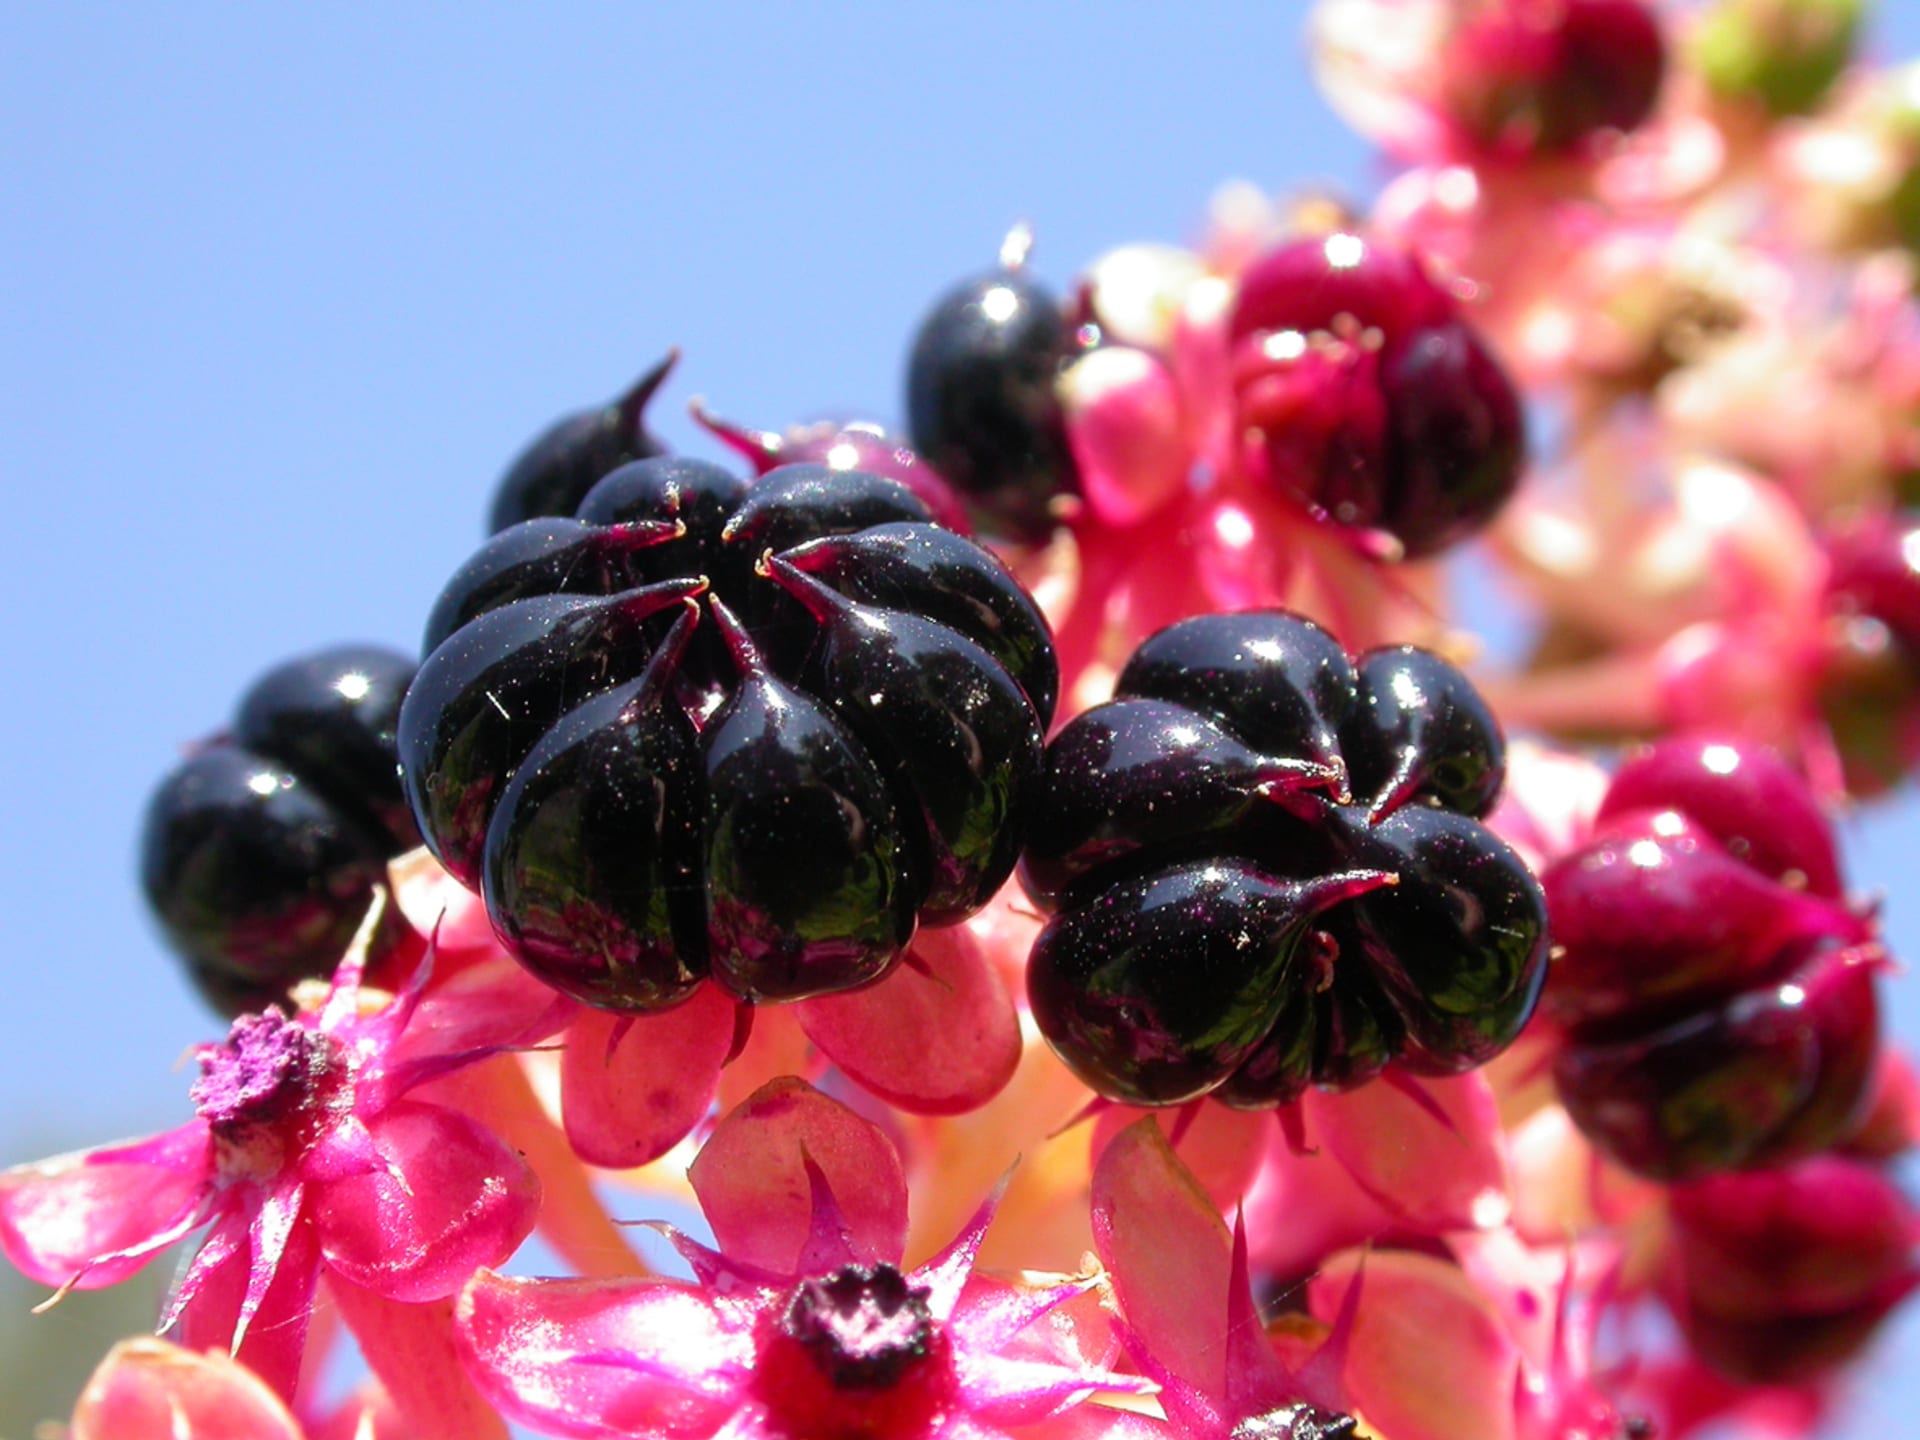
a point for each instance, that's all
(305, 1153)
(801, 1323)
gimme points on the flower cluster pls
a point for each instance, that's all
(1277, 1052)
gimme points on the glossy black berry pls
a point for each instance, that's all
(493, 688)
(553, 474)
(981, 402)
(1270, 871)
(591, 860)
(1160, 987)
(262, 849)
(808, 890)
(798, 726)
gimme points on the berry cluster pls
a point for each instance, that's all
(1714, 985)
(1272, 874)
(785, 733)
(705, 727)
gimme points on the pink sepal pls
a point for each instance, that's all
(526, 1341)
(150, 1389)
(717, 1272)
(752, 1183)
(1101, 1422)
(1221, 1146)
(489, 1005)
(995, 1314)
(449, 1197)
(276, 1334)
(632, 1087)
(413, 1351)
(1015, 1371)
(939, 1036)
(946, 1274)
(268, 1238)
(1431, 1171)
(1428, 1358)
(93, 1218)
(1167, 1251)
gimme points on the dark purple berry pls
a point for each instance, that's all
(1276, 680)
(1421, 733)
(1770, 1073)
(981, 401)
(262, 849)
(1750, 800)
(1364, 393)
(1229, 750)
(553, 474)
(590, 867)
(957, 735)
(841, 746)
(495, 686)
(1146, 777)
(1527, 79)
(943, 577)
(808, 888)
(331, 718)
(1158, 989)
(850, 445)
(542, 557)
(1713, 987)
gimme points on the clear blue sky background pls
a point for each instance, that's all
(280, 293)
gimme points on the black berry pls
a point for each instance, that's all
(564, 461)
(837, 738)
(981, 403)
(1271, 873)
(262, 849)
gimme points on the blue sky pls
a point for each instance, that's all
(284, 290)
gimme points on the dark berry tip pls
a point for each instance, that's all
(822, 601)
(647, 601)
(762, 449)
(746, 656)
(1322, 894)
(642, 534)
(632, 406)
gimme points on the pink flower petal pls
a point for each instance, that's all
(1431, 1175)
(1020, 1350)
(1222, 1147)
(751, 1178)
(276, 1338)
(450, 1198)
(413, 1351)
(267, 1242)
(435, 903)
(147, 1387)
(492, 1003)
(59, 1217)
(1429, 1359)
(628, 1101)
(530, 1346)
(936, 1043)
(1167, 1251)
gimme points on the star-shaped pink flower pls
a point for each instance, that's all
(306, 1153)
(801, 1323)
